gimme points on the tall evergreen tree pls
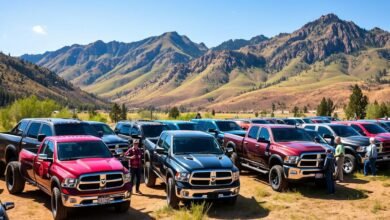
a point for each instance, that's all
(356, 107)
(322, 108)
(174, 112)
(115, 113)
(123, 112)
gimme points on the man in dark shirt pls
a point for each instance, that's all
(134, 155)
(329, 169)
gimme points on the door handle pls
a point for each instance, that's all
(37, 145)
(257, 145)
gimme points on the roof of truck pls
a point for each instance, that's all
(73, 138)
(55, 120)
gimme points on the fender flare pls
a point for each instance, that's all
(231, 143)
(275, 157)
(170, 173)
(54, 181)
(8, 150)
(350, 148)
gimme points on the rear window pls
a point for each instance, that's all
(75, 129)
(185, 126)
(153, 130)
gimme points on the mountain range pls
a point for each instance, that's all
(19, 78)
(322, 58)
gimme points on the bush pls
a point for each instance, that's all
(98, 117)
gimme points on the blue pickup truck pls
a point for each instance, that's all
(192, 165)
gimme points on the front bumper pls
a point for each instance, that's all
(217, 193)
(86, 201)
(382, 158)
(295, 173)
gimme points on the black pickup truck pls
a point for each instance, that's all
(192, 165)
(27, 132)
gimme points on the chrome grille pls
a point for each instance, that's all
(211, 178)
(100, 181)
(384, 148)
(312, 160)
(112, 147)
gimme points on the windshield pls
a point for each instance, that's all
(260, 121)
(195, 145)
(228, 126)
(374, 128)
(316, 137)
(74, 129)
(344, 131)
(103, 128)
(290, 134)
(386, 125)
(79, 150)
(153, 130)
(186, 126)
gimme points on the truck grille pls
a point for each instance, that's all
(112, 147)
(211, 178)
(384, 148)
(99, 181)
(311, 160)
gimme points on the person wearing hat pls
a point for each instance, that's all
(339, 155)
(371, 156)
(329, 168)
(134, 155)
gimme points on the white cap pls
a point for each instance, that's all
(372, 140)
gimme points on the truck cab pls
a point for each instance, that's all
(193, 167)
(218, 127)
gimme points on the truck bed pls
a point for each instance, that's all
(26, 159)
(7, 139)
(236, 140)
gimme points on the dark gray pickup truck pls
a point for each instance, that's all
(28, 133)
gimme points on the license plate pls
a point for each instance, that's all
(103, 200)
(319, 175)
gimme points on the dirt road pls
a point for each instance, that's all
(357, 198)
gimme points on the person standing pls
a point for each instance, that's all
(134, 155)
(371, 156)
(339, 155)
(329, 168)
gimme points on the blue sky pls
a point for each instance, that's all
(37, 26)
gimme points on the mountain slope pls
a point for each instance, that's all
(239, 43)
(21, 78)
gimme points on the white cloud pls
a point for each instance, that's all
(39, 29)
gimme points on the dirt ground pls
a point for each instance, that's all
(358, 197)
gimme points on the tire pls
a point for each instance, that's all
(231, 201)
(349, 164)
(172, 200)
(149, 175)
(14, 181)
(236, 161)
(276, 179)
(59, 211)
(122, 207)
(320, 183)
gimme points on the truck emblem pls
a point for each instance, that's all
(102, 181)
(213, 178)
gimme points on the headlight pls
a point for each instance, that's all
(182, 176)
(236, 175)
(362, 149)
(126, 177)
(69, 183)
(291, 159)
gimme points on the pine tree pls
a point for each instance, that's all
(174, 112)
(213, 112)
(322, 107)
(123, 112)
(296, 111)
(115, 113)
(357, 104)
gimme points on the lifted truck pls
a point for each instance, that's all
(284, 152)
(76, 171)
(192, 165)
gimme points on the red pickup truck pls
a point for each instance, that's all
(286, 153)
(76, 171)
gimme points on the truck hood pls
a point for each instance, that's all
(298, 147)
(356, 141)
(113, 139)
(383, 137)
(91, 165)
(203, 161)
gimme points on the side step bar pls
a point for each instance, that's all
(254, 168)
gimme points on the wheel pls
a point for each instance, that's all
(149, 175)
(349, 164)
(59, 211)
(122, 207)
(14, 180)
(231, 201)
(172, 199)
(236, 161)
(276, 178)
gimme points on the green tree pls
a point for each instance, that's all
(357, 104)
(335, 115)
(322, 107)
(384, 109)
(115, 113)
(213, 112)
(295, 110)
(273, 108)
(263, 113)
(174, 112)
(123, 112)
(305, 109)
(256, 114)
(330, 107)
(374, 110)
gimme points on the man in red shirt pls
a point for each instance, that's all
(134, 155)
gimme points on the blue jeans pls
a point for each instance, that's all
(370, 164)
(329, 182)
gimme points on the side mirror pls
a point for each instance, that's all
(317, 139)
(41, 137)
(161, 150)
(327, 136)
(100, 134)
(212, 130)
(19, 132)
(262, 140)
(229, 151)
(8, 205)
(44, 157)
(116, 131)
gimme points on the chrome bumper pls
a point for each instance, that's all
(295, 173)
(204, 193)
(85, 201)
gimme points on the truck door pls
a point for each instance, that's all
(30, 141)
(41, 166)
(250, 145)
(155, 156)
(264, 148)
(167, 143)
